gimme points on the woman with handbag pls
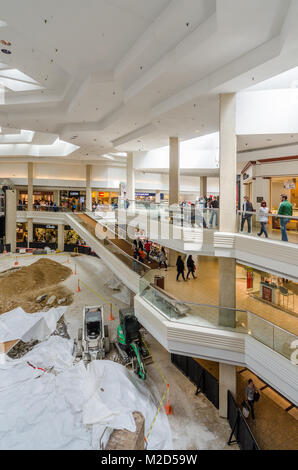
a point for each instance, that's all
(251, 395)
(190, 267)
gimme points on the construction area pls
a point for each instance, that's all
(77, 370)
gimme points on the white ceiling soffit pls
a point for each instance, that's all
(130, 73)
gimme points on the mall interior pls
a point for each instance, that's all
(149, 161)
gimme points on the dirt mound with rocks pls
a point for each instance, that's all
(21, 287)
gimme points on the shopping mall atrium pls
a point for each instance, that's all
(149, 225)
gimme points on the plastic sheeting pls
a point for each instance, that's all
(17, 324)
(71, 407)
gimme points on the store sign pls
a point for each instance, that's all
(145, 194)
(74, 193)
(290, 184)
(50, 226)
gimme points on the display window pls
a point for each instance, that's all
(45, 233)
(289, 186)
(71, 237)
(270, 288)
(74, 200)
(104, 197)
(22, 232)
(39, 198)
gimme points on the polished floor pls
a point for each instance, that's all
(276, 425)
(204, 290)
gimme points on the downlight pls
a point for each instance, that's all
(6, 51)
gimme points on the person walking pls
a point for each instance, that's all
(180, 268)
(135, 265)
(190, 267)
(285, 209)
(250, 396)
(246, 216)
(214, 204)
(163, 259)
(263, 213)
(147, 246)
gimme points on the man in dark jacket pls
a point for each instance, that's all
(180, 268)
(246, 216)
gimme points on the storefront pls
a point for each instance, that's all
(38, 197)
(270, 289)
(288, 186)
(22, 232)
(71, 237)
(45, 233)
(73, 199)
(104, 197)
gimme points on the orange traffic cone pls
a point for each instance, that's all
(5, 251)
(168, 408)
(111, 317)
(16, 263)
(75, 269)
(67, 262)
(79, 288)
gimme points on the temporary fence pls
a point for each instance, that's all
(239, 427)
(199, 376)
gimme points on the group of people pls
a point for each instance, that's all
(285, 211)
(39, 204)
(198, 213)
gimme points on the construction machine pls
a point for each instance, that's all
(93, 338)
(129, 343)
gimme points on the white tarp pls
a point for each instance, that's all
(70, 408)
(17, 324)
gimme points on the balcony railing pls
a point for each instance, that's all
(219, 318)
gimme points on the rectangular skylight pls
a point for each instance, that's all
(17, 75)
(15, 85)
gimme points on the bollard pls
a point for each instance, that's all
(111, 317)
(75, 270)
(168, 408)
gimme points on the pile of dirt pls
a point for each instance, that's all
(20, 288)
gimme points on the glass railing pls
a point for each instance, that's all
(216, 317)
(271, 226)
(44, 208)
(100, 234)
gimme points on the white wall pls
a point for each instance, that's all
(267, 112)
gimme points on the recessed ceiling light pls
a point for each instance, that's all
(269, 140)
(5, 51)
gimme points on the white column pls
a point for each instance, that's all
(88, 187)
(11, 218)
(157, 197)
(227, 381)
(174, 171)
(227, 162)
(130, 177)
(30, 186)
(57, 197)
(203, 185)
(227, 204)
(61, 237)
(30, 232)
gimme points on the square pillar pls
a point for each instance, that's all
(30, 186)
(157, 197)
(227, 163)
(11, 219)
(61, 237)
(130, 177)
(174, 171)
(88, 187)
(203, 186)
(227, 381)
(30, 232)
(227, 204)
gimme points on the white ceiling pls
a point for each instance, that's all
(124, 75)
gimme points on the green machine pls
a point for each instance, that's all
(129, 342)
